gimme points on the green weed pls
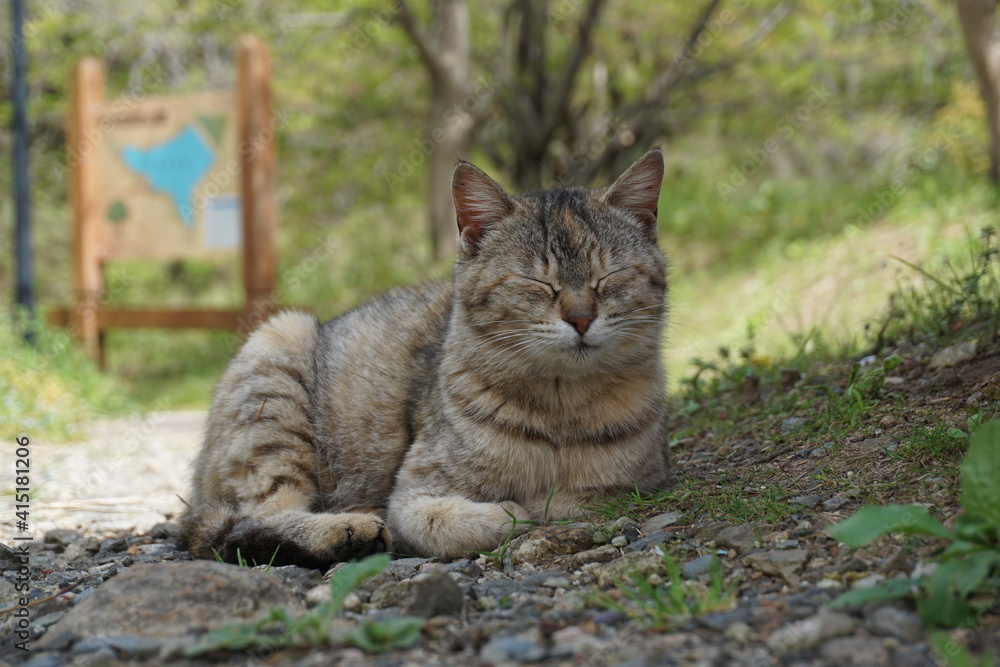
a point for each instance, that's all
(936, 443)
(48, 387)
(500, 555)
(280, 630)
(966, 291)
(241, 562)
(657, 604)
(967, 577)
(953, 654)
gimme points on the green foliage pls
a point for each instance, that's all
(863, 389)
(313, 629)
(968, 567)
(953, 654)
(943, 303)
(241, 562)
(936, 443)
(658, 605)
(48, 387)
(500, 555)
(723, 501)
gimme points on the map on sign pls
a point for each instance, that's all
(169, 176)
(174, 167)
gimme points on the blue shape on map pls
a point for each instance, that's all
(174, 167)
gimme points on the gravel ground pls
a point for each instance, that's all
(109, 584)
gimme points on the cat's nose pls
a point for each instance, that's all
(580, 322)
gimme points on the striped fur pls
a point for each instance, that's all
(433, 413)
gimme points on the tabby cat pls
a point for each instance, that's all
(528, 386)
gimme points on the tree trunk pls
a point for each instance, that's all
(978, 19)
(445, 52)
(450, 124)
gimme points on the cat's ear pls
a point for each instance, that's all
(479, 202)
(638, 189)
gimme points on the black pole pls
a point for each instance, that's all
(22, 200)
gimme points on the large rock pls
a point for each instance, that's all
(550, 541)
(170, 599)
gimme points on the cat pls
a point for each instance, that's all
(421, 422)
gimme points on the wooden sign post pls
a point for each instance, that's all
(171, 178)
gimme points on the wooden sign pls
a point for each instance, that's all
(171, 178)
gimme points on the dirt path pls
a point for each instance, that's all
(125, 477)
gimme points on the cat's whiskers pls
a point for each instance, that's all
(513, 350)
(501, 339)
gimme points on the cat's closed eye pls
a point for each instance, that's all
(617, 277)
(535, 284)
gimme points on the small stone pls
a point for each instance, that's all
(318, 595)
(619, 541)
(404, 568)
(895, 622)
(696, 567)
(620, 569)
(720, 620)
(607, 617)
(810, 500)
(574, 641)
(660, 521)
(784, 564)
(954, 354)
(82, 548)
(742, 537)
(45, 660)
(433, 594)
(9, 595)
(709, 530)
(113, 544)
(787, 544)
(525, 647)
(464, 568)
(885, 443)
(855, 651)
(792, 424)
(62, 536)
(869, 581)
(740, 632)
(807, 633)
(164, 530)
(551, 579)
(135, 645)
(391, 594)
(551, 541)
(834, 503)
(601, 554)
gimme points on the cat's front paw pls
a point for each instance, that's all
(451, 526)
(340, 537)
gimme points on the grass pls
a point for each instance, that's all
(48, 387)
(658, 604)
(315, 628)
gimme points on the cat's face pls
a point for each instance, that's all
(562, 282)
